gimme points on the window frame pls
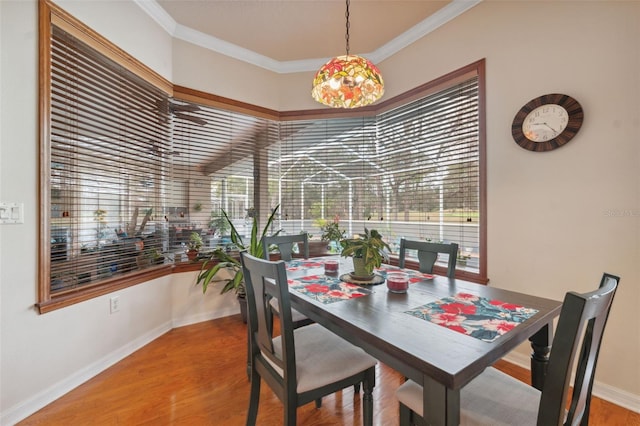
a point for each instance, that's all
(354, 161)
(50, 14)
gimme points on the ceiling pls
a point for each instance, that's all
(300, 35)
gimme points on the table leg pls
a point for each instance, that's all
(441, 406)
(541, 345)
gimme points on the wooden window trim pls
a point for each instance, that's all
(50, 14)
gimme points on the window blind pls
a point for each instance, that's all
(324, 172)
(217, 154)
(429, 150)
(409, 172)
(108, 134)
(133, 173)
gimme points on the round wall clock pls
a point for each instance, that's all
(547, 122)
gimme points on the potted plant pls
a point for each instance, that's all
(101, 226)
(462, 258)
(367, 251)
(221, 260)
(218, 224)
(331, 232)
(193, 246)
(155, 256)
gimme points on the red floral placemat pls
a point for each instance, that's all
(296, 264)
(474, 316)
(327, 289)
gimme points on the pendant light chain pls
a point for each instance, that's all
(347, 34)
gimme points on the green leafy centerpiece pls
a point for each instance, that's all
(368, 250)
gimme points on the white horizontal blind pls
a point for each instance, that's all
(429, 150)
(106, 169)
(134, 173)
(324, 173)
(212, 169)
(409, 172)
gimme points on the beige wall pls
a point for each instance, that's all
(557, 220)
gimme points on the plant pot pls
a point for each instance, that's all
(360, 270)
(192, 255)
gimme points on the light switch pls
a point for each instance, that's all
(11, 213)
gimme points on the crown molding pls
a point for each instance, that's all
(158, 14)
(421, 29)
(155, 11)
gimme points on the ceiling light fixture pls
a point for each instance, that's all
(348, 81)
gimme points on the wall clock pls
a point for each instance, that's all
(547, 122)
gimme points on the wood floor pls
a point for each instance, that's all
(195, 375)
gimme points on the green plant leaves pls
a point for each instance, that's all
(226, 261)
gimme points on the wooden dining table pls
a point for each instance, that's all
(404, 330)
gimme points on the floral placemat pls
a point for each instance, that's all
(297, 264)
(474, 316)
(414, 276)
(326, 289)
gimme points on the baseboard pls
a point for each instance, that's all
(608, 393)
(47, 396)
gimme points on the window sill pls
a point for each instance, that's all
(72, 297)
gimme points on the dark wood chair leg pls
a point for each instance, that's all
(254, 399)
(290, 414)
(248, 353)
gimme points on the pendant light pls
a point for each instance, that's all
(347, 81)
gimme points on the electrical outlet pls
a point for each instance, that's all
(115, 304)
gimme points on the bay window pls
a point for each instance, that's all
(132, 165)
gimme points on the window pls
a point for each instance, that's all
(129, 172)
(103, 186)
(413, 171)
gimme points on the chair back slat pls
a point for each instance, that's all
(428, 254)
(266, 281)
(285, 245)
(580, 327)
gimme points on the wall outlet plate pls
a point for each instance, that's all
(114, 304)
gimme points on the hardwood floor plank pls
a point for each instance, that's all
(195, 375)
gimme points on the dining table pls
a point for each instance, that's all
(442, 332)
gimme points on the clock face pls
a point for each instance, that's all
(545, 123)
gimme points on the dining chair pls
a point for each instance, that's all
(495, 398)
(300, 365)
(285, 246)
(428, 254)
